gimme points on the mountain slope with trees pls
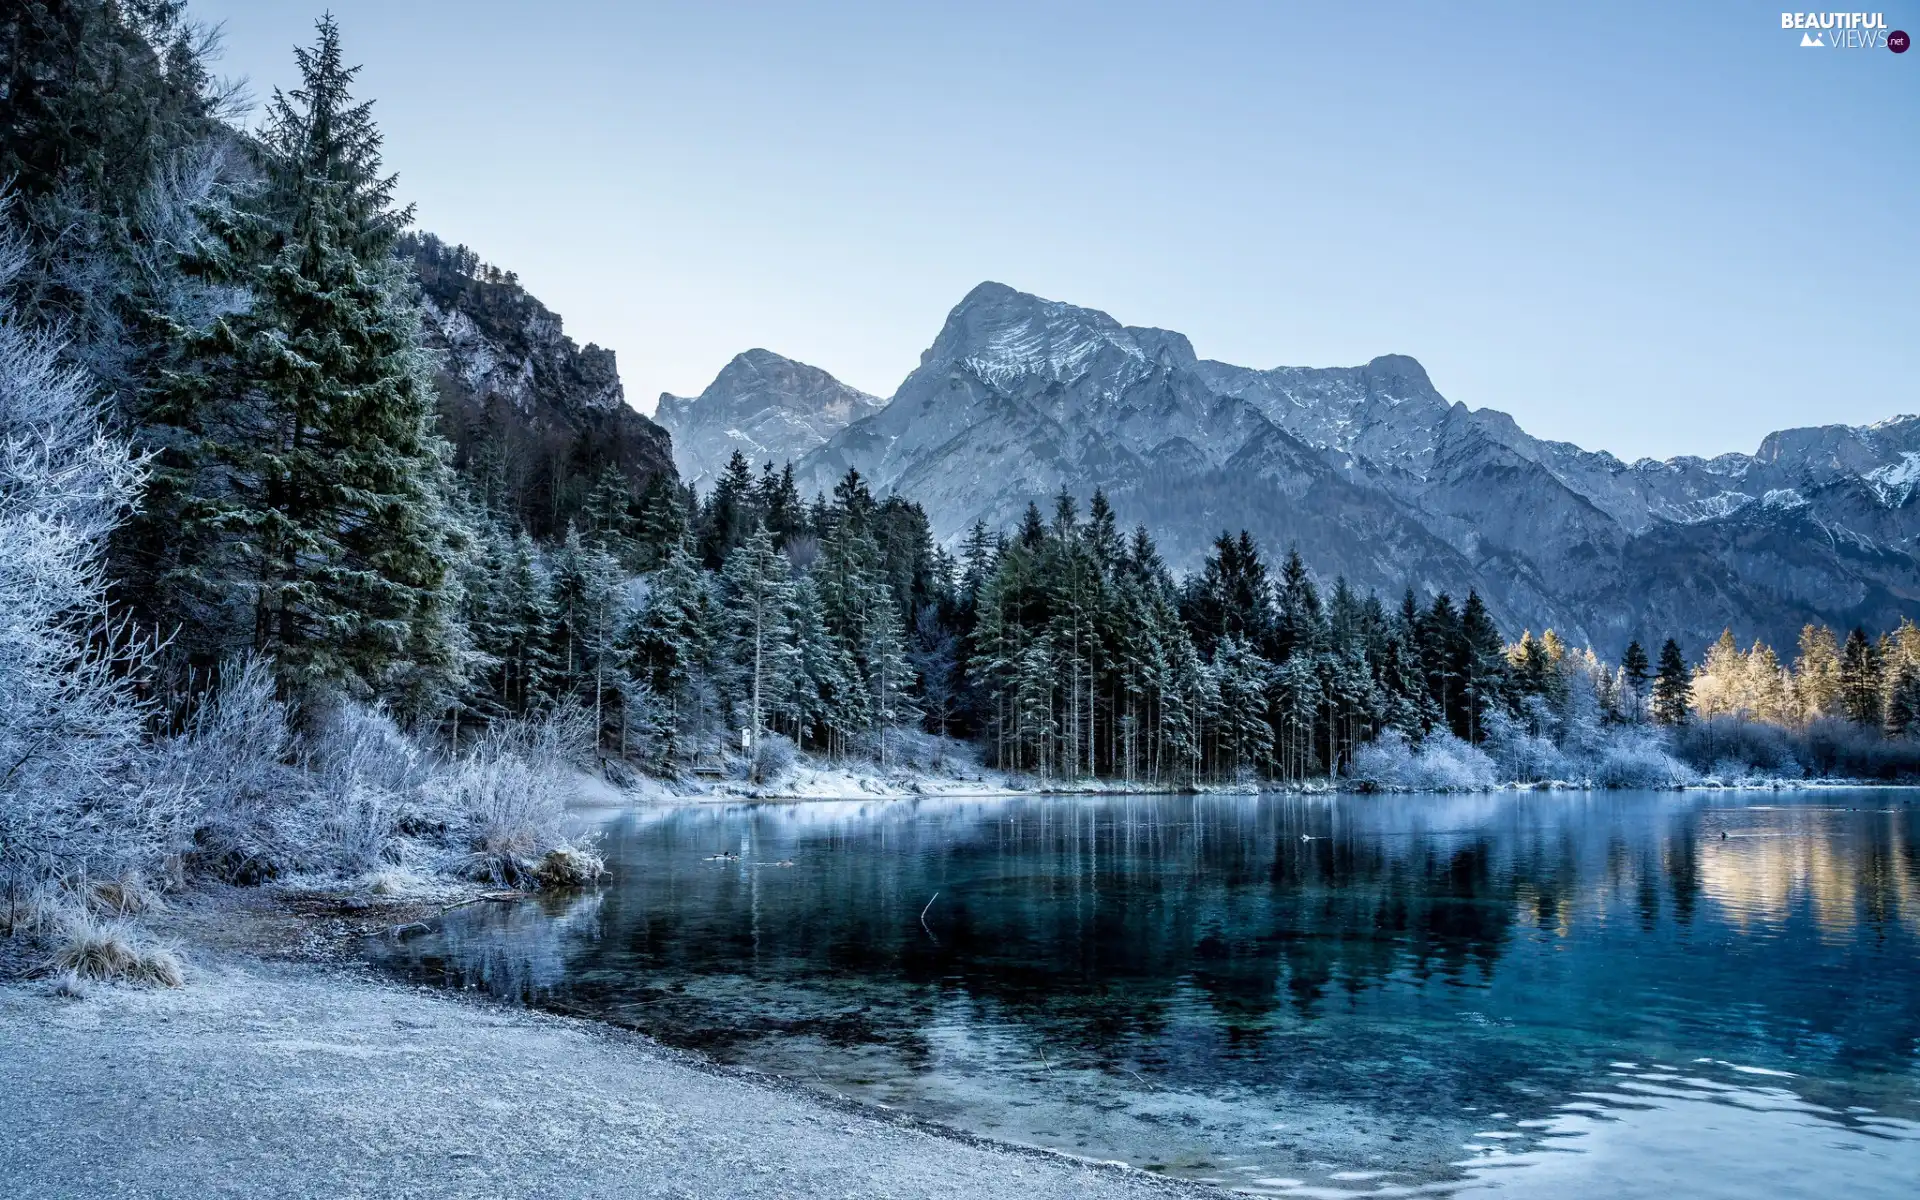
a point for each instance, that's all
(535, 421)
(1378, 477)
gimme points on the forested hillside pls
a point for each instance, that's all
(535, 421)
(322, 548)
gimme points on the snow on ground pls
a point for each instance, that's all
(297, 1080)
(819, 780)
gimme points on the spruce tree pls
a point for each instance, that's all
(1033, 529)
(1405, 704)
(778, 499)
(728, 516)
(520, 616)
(1672, 686)
(1480, 664)
(934, 655)
(1246, 739)
(1439, 636)
(757, 590)
(1903, 702)
(1232, 596)
(1816, 673)
(1297, 620)
(661, 524)
(977, 553)
(1860, 682)
(1635, 670)
(1103, 531)
(1144, 563)
(608, 515)
(826, 704)
(890, 680)
(316, 529)
(588, 618)
(1720, 685)
(668, 644)
(1532, 668)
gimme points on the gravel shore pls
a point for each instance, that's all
(294, 1079)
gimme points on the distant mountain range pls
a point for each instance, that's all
(767, 407)
(1368, 469)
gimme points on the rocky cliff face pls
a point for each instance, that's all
(533, 417)
(1378, 477)
(767, 407)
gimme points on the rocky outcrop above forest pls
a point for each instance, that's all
(533, 417)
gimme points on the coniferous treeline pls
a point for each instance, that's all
(1067, 648)
(246, 304)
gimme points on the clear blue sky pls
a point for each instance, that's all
(1648, 228)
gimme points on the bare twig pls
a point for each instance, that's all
(923, 919)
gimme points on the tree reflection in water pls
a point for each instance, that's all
(1393, 963)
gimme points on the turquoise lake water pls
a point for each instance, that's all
(1536, 994)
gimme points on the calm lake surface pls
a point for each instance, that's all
(1552, 994)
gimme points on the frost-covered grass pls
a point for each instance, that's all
(127, 896)
(114, 952)
(351, 796)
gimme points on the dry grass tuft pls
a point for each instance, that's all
(394, 883)
(123, 897)
(109, 951)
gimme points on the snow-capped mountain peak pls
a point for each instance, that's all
(764, 405)
(1377, 476)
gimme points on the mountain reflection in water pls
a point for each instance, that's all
(1615, 993)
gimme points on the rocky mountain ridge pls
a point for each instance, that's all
(534, 418)
(766, 406)
(1376, 476)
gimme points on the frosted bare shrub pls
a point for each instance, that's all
(773, 757)
(75, 797)
(1523, 748)
(1639, 759)
(918, 750)
(272, 801)
(239, 759)
(356, 744)
(1382, 764)
(370, 783)
(512, 790)
(1442, 763)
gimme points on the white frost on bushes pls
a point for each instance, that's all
(1443, 763)
(1639, 759)
(1568, 744)
(75, 796)
(353, 795)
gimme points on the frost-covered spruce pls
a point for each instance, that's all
(314, 526)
